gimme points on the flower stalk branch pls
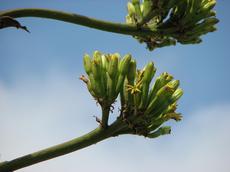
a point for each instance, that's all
(155, 23)
(86, 140)
(127, 29)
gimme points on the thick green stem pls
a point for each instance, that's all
(93, 137)
(105, 116)
(80, 20)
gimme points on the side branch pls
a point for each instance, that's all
(86, 140)
(127, 29)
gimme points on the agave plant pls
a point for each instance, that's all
(145, 105)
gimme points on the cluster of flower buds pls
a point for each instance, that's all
(182, 21)
(144, 108)
(106, 75)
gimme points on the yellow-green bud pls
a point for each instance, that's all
(160, 131)
(175, 116)
(171, 108)
(94, 86)
(113, 66)
(96, 69)
(138, 14)
(161, 101)
(105, 62)
(176, 95)
(174, 84)
(131, 9)
(123, 70)
(97, 57)
(132, 72)
(124, 64)
(210, 5)
(87, 64)
(164, 93)
(149, 72)
(161, 81)
(147, 7)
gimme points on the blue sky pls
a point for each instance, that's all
(42, 101)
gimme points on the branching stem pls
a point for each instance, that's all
(105, 116)
(92, 137)
(80, 20)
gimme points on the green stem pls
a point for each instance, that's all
(80, 20)
(105, 116)
(92, 137)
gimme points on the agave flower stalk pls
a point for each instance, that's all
(144, 107)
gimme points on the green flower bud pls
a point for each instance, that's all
(175, 116)
(99, 75)
(147, 7)
(136, 4)
(161, 101)
(124, 64)
(105, 62)
(97, 57)
(137, 100)
(111, 88)
(210, 5)
(161, 81)
(94, 86)
(129, 20)
(211, 21)
(96, 69)
(211, 14)
(123, 71)
(176, 95)
(124, 94)
(174, 84)
(113, 66)
(97, 65)
(206, 23)
(147, 77)
(172, 108)
(131, 9)
(191, 41)
(159, 132)
(135, 1)
(89, 86)
(149, 72)
(87, 64)
(167, 91)
(132, 72)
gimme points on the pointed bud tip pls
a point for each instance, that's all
(165, 130)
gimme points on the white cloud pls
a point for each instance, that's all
(38, 114)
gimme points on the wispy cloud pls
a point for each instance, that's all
(35, 114)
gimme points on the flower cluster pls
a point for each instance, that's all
(144, 108)
(106, 75)
(182, 21)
